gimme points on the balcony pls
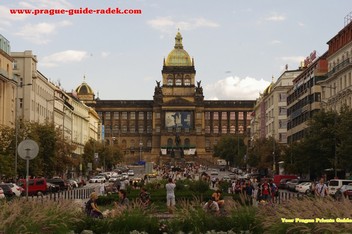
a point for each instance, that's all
(338, 67)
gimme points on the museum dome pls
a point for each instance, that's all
(84, 89)
(178, 56)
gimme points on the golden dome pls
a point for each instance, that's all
(178, 56)
(84, 89)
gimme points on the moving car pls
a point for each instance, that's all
(130, 173)
(97, 179)
(214, 172)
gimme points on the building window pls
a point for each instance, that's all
(240, 115)
(199, 130)
(282, 111)
(149, 129)
(157, 115)
(207, 115)
(233, 129)
(216, 129)
(199, 115)
(224, 115)
(132, 115)
(124, 129)
(141, 129)
(116, 115)
(170, 82)
(178, 82)
(107, 115)
(207, 129)
(149, 143)
(215, 115)
(207, 143)
(149, 115)
(141, 115)
(187, 82)
(232, 115)
(224, 129)
(124, 115)
(157, 129)
(187, 142)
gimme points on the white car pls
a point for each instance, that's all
(115, 178)
(214, 172)
(97, 179)
(17, 190)
(130, 173)
(304, 187)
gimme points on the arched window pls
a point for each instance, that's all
(178, 82)
(132, 142)
(170, 81)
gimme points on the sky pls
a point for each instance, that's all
(239, 46)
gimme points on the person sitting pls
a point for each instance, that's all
(211, 206)
(144, 197)
(217, 197)
(92, 209)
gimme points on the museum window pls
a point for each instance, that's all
(157, 129)
(149, 115)
(149, 129)
(157, 115)
(199, 115)
(124, 129)
(233, 129)
(207, 115)
(132, 144)
(187, 142)
(132, 128)
(240, 115)
(224, 115)
(124, 115)
(141, 115)
(140, 129)
(207, 129)
(187, 82)
(132, 115)
(169, 142)
(207, 143)
(216, 129)
(170, 82)
(199, 130)
(149, 143)
(215, 115)
(116, 115)
(107, 115)
(178, 82)
(224, 129)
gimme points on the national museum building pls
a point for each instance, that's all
(177, 123)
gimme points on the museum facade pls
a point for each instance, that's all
(177, 123)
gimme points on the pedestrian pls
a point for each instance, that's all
(170, 195)
(102, 189)
(321, 190)
(265, 191)
(144, 197)
(123, 200)
(211, 206)
(92, 208)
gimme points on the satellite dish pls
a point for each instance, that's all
(28, 149)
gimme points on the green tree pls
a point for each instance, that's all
(232, 149)
(7, 152)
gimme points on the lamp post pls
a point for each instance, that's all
(16, 126)
(140, 149)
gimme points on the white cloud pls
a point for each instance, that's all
(6, 17)
(45, 4)
(39, 33)
(104, 54)
(67, 56)
(168, 25)
(232, 88)
(275, 42)
(275, 17)
(301, 24)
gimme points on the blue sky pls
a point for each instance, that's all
(237, 45)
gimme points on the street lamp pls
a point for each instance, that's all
(16, 125)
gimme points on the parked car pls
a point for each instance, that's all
(283, 183)
(115, 178)
(305, 187)
(291, 185)
(36, 186)
(97, 179)
(130, 173)
(17, 190)
(214, 172)
(7, 191)
(278, 178)
(58, 181)
(73, 183)
(52, 188)
(345, 190)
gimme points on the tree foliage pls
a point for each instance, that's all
(232, 149)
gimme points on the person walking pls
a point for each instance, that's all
(170, 195)
(321, 190)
